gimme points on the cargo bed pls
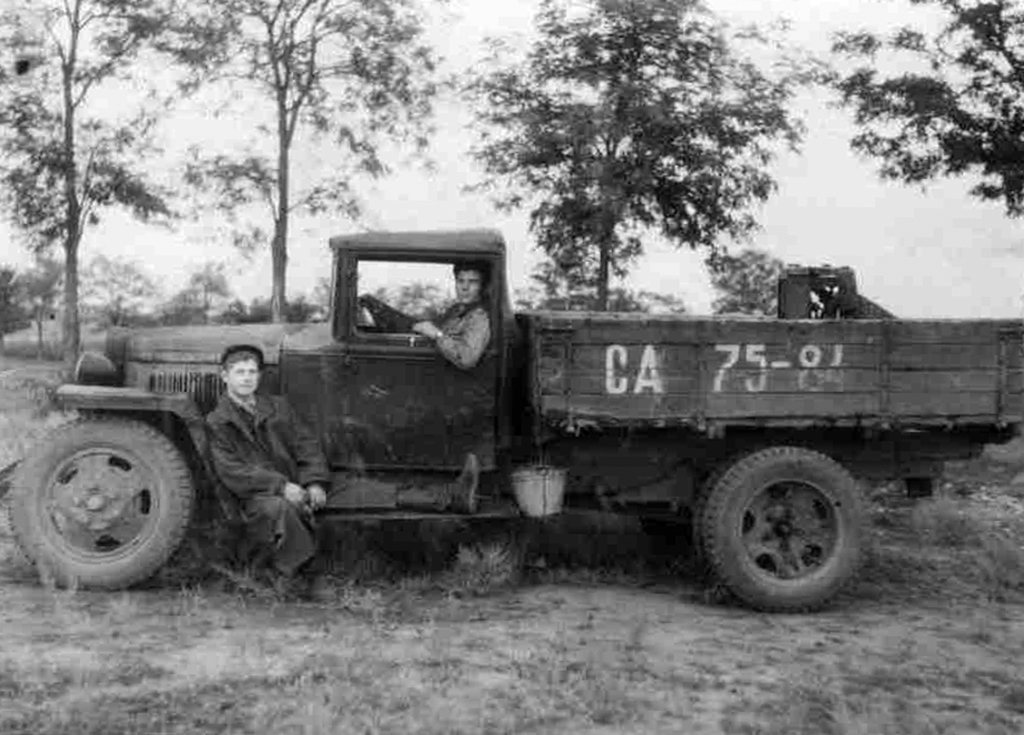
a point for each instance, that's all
(706, 373)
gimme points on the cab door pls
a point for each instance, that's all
(398, 403)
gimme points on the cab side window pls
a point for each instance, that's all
(393, 295)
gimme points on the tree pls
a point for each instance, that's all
(42, 285)
(182, 308)
(417, 299)
(554, 290)
(235, 312)
(299, 309)
(629, 117)
(961, 111)
(115, 290)
(65, 160)
(747, 283)
(355, 73)
(321, 296)
(209, 284)
(206, 290)
(12, 314)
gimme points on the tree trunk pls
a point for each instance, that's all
(609, 218)
(71, 341)
(603, 273)
(73, 209)
(279, 259)
(279, 245)
(39, 332)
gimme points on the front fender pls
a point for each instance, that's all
(123, 400)
(104, 398)
(127, 401)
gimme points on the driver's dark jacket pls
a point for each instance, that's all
(254, 454)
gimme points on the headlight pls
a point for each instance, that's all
(93, 368)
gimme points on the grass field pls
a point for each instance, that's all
(432, 631)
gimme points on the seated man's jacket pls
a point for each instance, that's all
(259, 454)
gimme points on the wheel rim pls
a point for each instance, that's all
(100, 504)
(789, 530)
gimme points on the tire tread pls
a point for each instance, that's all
(168, 536)
(719, 494)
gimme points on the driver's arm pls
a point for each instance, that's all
(388, 318)
(464, 347)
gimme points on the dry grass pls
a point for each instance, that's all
(988, 550)
(336, 676)
(883, 702)
(946, 521)
(572, 625)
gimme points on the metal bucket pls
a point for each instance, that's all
(539, 490)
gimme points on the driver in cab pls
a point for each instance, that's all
(464, 329)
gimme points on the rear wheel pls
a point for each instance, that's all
(782, 529)
(101, 503)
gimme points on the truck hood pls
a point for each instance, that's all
(204, 344)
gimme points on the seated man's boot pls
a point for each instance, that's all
(430, 499)
(456, 497)
(462, 493)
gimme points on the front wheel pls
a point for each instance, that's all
(101, 503)
(782, 529)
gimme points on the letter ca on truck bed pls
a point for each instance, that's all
(751, 367)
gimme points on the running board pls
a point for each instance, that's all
(489, 509)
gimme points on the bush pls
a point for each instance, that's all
(29, 350)
(944, 521)
(1000, 562)
(480, 569)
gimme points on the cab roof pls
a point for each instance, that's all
(473, 241)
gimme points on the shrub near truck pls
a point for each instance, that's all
(749, 433)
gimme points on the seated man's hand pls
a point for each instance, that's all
(295, 494)
(317, 496)
(427, 329)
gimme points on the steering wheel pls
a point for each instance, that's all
(386, 317)
(364, 314)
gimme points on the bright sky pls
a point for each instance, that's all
(920, 253)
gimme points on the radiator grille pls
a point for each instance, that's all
(205, 388)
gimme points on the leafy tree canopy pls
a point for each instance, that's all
(960, 112)
(298, 309)
(64, 156)
(12, 312)
(207, 290)
(554, 290)
(351, 75)
(42, 283)
(116, 290)
(41, 288)
(747, 283)
(631, 117)
(421, 300)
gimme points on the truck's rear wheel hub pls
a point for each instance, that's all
(789, 529)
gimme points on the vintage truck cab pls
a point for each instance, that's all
(750, 434)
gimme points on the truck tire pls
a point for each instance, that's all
(782, 529)
(101, 503)
(700, 502)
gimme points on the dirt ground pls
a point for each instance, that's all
(929, 640)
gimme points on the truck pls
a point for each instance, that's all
(754, 436)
